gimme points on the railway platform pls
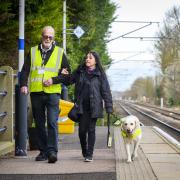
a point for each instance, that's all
(157, 159)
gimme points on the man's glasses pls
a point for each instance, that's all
(47, 37)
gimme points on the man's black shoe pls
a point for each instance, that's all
(52, 157)
(41, 157)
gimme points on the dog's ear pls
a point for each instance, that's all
(122, 122)
(137, 123)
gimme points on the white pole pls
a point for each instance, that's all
(64, 88)
(64, 26)
(21, 34)
(162, 103)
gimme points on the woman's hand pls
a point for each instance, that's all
(64, 71)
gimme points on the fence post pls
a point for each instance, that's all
(20, 123)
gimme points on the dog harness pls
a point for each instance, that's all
(133, 135)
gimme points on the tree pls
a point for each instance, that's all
(168, 46)
(143, 88)
(168, 54)
(94, 16)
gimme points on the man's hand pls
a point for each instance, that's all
(48, 82)
(24, 90)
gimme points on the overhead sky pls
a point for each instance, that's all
(134, 57)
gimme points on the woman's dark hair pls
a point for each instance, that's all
(97, 59)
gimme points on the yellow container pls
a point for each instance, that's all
(65, 107)
(65, 125)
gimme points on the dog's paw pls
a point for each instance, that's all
(129, 161)
(133, 157)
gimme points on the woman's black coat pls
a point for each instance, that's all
(99, 90)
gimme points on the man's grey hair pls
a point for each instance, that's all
(49, 28)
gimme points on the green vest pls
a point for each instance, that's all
(39, 72)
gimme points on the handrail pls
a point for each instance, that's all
(3, 93)
(3, 114)
(15, 75)
(2, 130)
(3, 72)
(7, 103)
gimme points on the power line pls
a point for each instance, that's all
(136, 60)
(147, 37)
(148, 23)
(136, 22)
(128, 52)
(129, 32)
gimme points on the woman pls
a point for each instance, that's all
(91, 88)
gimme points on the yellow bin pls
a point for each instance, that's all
(65, 125)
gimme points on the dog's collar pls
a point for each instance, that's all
(133, 135)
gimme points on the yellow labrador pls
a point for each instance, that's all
(131, 132)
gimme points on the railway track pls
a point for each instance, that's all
(150, 118)
(163, 111)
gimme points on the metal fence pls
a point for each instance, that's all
(7, 82)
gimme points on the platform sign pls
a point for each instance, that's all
(78, 31)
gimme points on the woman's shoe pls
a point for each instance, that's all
(88, 159)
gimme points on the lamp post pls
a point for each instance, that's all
(64, 26)
(64, 88)
(20, 99)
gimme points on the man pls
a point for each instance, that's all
(43, 65)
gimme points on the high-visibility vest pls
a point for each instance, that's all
(40, 72)
(133, 135)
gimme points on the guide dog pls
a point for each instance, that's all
(132, 133)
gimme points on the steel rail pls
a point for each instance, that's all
(156, 119)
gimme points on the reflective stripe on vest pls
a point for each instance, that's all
(47, 69)
(40, 73)
(133, 135)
